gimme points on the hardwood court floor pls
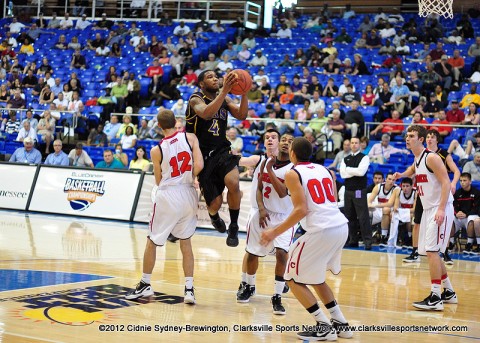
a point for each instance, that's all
(62, 278)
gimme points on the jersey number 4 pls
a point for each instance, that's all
(321, 190)
(214, 128)
(183, 159)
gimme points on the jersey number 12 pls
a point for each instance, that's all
(183, 158)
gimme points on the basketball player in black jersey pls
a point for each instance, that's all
(433, 137)
(206, 116)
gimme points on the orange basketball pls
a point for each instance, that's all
(244, 82)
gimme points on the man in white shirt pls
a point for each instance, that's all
(83, 23)
(316, 103)
(11, 40)
(225, 64)
(102, 50)
(136, 40)
(15, 26)
(66, 23)
(181, 30)
(49, 80)
(27, 131)
(387, 32)
(79, 157)
(259, 59)
(60, 102)
(284, 32)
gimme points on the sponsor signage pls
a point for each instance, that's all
(15, 184)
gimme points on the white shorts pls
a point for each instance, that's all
(314, 253)
(174, 212)
(377, 215)
(254, 234)
(431, 237)
(463, 223)
(403, 215)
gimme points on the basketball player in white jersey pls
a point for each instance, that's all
(433, 187)
(313, 193)
(404, 201)
(382, 208)
(176, 161)
(271, 139)
(274, 205)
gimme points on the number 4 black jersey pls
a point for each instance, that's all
(212, 133)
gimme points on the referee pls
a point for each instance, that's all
(353, 170)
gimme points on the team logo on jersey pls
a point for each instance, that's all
(81, 306)
(82, 193)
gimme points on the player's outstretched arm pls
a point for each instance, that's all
(250, 161)
(407, 173)
(156, 155)
(292, 180)
(196, 153)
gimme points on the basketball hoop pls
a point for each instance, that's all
(440, 7)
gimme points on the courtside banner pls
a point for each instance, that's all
(85, 192)
(15, 185)
(144, 209)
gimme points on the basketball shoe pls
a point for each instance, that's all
(232, 238)
(244, 295)
(285, 289)
(189, 297)
(277, 305)
(447, 259)
(341, 329)
(320, 332)
(219, 225)
(468, 249)
(142, 290)
(432, 302)
(449, 296)
(412, 258)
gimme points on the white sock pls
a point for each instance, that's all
(279, 285)
(251, 279)
(478, 240)
(447, 284)
(146, 278)
(437, 289)
(189, 282)
(452, 239)
(337, 314)
(384, 232)
(320, 316)
(470, 240)
(244, 277)
(409, 234)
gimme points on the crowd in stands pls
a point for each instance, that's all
(322, 77)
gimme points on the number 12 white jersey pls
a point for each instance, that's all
(177, 160)
(322, 208)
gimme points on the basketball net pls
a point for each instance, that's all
(440, 7)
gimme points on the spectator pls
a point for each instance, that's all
(315, 125)
(225, 64)
(392, 61)
(442, 119)
(316, 103)
(368, 98)
(445, 71)
(250, 41)
(418, 119)
(66, 23)
(455, 115)
(343, 37)
(330, 89)
(167, 92)
(97, 137)
(473, 167)
(120, 155)
(259, 59)
(472, 117)
(388, 126)
(457, 63)
(359, 68)
(58, 157)
(108, 161)
(144, 131)
(437, 53)
(12, 125)
(254, 94)
(350, 96)
(354, 119)
(79, 157)
(366, 25)
(243, 55)
(343, 87)
(78, 60)
(361, 43)
(27, 154)
(473, 146)
(16, 101)
(127, 122)
(46, 129)
(471, 97)
(111, 128)
(433, 106)
(181, 29)
(284, 32)
(337, 127)
(129, 139)
(235, 142)
(140, 161)
(335, 165)
(373, 41)
(83, 23)
(380, 152)
(403, 48)
(401, 95)
(349, 13)
(27, 132)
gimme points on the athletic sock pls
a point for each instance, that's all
(446, 282)
(214, 217)
(189, 282)
(452, 240)
(414, 250)
(335, 311)
(436, 287)
(478, 241)
(234, 216)
(409, 234)
(146, 278)
(279, 284)
(251, 279)
(318, 314)
(244, 277)
(470, 240)
(384, 233)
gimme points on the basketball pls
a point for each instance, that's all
(244, 82)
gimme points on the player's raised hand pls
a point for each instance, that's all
(270, 163)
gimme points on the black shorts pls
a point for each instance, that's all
(212, 178)
(417, 214)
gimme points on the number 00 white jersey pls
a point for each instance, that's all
(177, 160)
(322, 208)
